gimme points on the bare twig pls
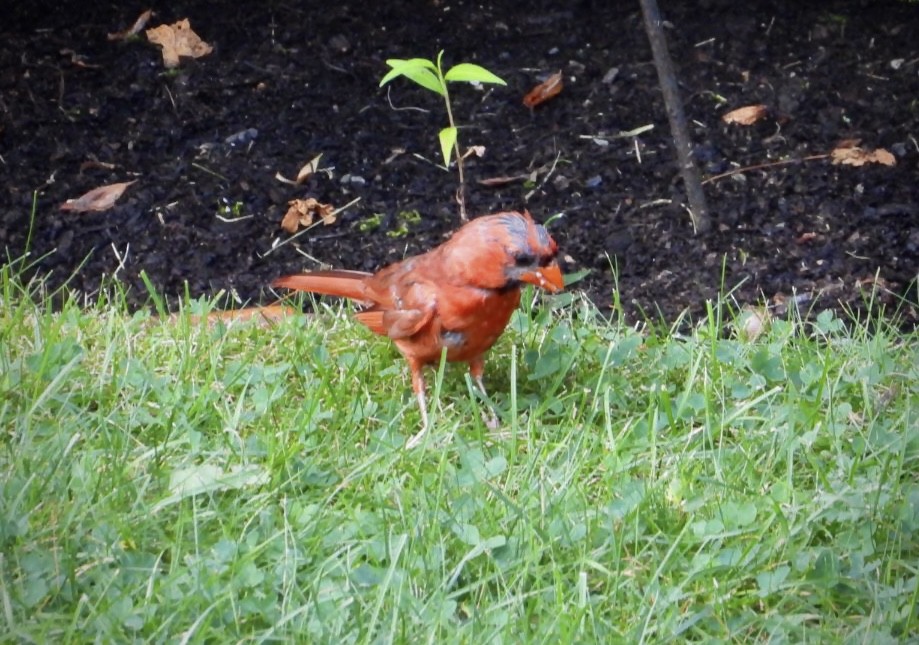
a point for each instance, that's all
(526, 197)
(122, 259)
(408, 108)
(760, 166)
(676, 115)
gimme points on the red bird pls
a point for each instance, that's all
(458, 296)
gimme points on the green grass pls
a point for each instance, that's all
(170, 481)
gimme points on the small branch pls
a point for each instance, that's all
(526, 197)
(760, 166)
(231, 220)
(461, 189)
(122, 259)
(676, 115)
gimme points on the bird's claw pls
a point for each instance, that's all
(491, 420)
(414, 440)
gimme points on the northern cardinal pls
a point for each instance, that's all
(459, 295)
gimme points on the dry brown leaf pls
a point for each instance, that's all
(178, 40)
(807, 236)
(753, 322)
(478, 151)
(308, 169)
(883, 157)
(284, 180)
(139, 24)
(303, 212)
(747, 115)
(544, 91)
(291, 220)
(98, 199)
(872, 281)
(267, 315)
(855, 156)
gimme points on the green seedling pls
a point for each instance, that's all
(370, 223)
(409, 217)
(406, 219)
(230, 211)
(430, 75)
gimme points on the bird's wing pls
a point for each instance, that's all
(396, 323)
(404, 297)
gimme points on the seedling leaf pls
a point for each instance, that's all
(419, 70)
(411, 62)
(447, 138)
(469, 73)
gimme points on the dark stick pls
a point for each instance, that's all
(698, 209)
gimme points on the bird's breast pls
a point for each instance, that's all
(473, 333)
(466, 323)
(452, 339)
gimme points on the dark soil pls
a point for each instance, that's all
(289, 80)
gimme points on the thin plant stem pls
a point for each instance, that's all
(461, 189)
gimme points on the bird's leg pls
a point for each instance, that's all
(477, 369)
(419, 388)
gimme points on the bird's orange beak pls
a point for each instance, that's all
(548, 277)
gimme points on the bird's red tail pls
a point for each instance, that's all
(345, 284)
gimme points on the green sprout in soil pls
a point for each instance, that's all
(430, 75)
(370, 223)
(231, 210)
(406, 219)
(409, 217)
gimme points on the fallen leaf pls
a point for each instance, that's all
(747, 115)
(139, 24)
(266, 316)
(178, 40)
(303, 212)
(281, 178)
(309, 169)
(807, 236)
(544, 91)
(478, 151)
(98, 199)
(872, 281)
(753, 322)
(855, 156)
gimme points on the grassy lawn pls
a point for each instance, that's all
(168, 480)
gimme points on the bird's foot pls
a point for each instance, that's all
(418, 385)
(491, 420)
(415, 439)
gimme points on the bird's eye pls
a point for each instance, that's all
(524, 260)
